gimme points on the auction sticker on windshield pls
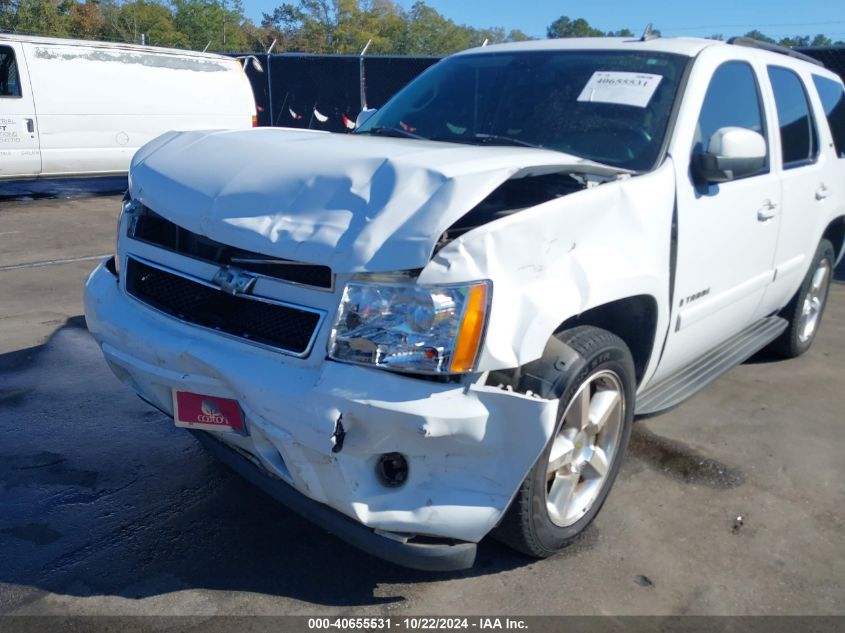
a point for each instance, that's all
(633, 89)
(209, 413)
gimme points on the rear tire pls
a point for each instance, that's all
(804, 312)
(592, 373)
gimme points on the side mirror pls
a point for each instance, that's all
(364, 116)
(732, 152)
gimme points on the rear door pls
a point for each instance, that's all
(808, 184)
(20, 153)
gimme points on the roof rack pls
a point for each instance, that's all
(772, 48)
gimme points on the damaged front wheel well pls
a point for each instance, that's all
(633, 319)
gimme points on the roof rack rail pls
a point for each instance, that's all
(773, 48)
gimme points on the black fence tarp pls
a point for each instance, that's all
(322, 92)
(833, 57)
(260, 87)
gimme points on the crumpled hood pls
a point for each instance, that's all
(355, 203)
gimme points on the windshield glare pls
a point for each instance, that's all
(558, 100)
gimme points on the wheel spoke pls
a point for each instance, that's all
(560, 494)
(578, 416)
(597, 467)
(813, 302)
(819, 278)
(561, 454)
(602, 407)
(807, 329)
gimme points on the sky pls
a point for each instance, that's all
(776, 18)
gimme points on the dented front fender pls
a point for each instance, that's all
(563, 257)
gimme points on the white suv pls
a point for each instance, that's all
(444, 323)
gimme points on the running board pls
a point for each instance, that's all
(691, 379)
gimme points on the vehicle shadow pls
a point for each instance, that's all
(45, 188)
(102, 496)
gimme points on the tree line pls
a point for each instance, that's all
(564, 27)
(795, 41)
(313, 26)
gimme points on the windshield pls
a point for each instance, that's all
(608, 106)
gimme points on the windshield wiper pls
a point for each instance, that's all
(509, 140)
(392, 131)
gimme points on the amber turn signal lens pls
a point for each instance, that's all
(472, 326)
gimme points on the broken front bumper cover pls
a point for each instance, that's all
(468, 446)
(424, 556)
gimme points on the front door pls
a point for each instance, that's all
(726, 233)
(20, 153)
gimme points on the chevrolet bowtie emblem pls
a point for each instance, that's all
(234, 281)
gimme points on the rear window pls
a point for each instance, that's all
(798, 135)
(10, 86)
(832, 96)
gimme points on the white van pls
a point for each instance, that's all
(69, 107)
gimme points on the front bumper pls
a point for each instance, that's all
(468, 446)
(424, 556)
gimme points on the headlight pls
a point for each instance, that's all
(422, 329)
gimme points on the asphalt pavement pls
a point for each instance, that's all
(733, 503)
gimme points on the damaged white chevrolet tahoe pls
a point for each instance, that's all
(443, 324)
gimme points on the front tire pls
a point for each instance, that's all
(804, 312)
(592, 372)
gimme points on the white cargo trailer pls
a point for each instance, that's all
(69, 107)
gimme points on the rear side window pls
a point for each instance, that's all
(10, 86)
(798, 136)
(732, 100)
(832, 96)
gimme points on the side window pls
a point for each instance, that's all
(832, 96)
(732, 100)
(10, 86)
(798, 136)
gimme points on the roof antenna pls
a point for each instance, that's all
(485, 43)
(649, 34)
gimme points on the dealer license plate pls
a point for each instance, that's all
(209, 413)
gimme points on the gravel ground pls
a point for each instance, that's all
(107, 509)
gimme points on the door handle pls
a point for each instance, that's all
(822, 192)
(767, 211)
(30, 126)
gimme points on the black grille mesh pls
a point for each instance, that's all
(285, 327)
